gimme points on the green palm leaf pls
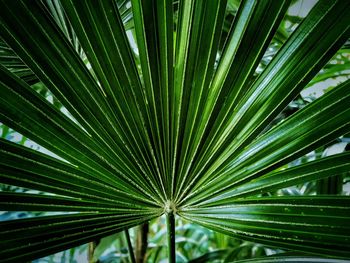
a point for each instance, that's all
(293, 260)
(170, 122)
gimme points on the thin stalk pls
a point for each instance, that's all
(332, 185)
(142, 242)
(170, 220)
(91, 251)
(130, 249)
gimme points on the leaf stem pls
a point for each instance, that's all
(130, 249)
(170, 220)
(142, 242)
(91, 251)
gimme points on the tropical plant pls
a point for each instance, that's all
(176, 122)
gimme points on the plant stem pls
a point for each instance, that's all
(91, 251)
(332, 185)
(170, 220)
(130, 249)
(141, 242)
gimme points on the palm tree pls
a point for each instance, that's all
(177, 125)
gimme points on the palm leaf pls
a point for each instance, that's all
(176, 123)
(292, 259)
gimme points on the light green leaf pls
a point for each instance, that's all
(290, 259)
(302, 56)
(309, 128)
(315, 170)
(25, 239)
(315, 224)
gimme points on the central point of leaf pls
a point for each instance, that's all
(169, 207)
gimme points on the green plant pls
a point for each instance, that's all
(176, 126)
